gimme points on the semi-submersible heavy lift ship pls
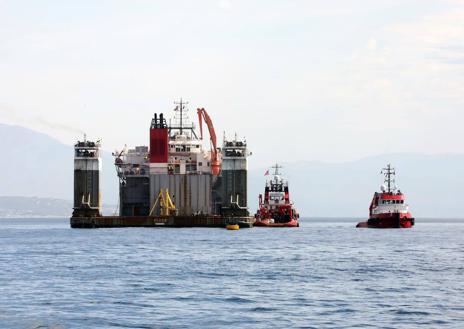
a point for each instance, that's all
(175, 182)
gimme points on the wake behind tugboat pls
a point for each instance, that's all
(276, 210)
(388, 208)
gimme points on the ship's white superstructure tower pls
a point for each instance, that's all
(233, 184)
(87, 169)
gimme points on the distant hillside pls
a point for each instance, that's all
(36, 165)
(30, 207)
(26, 207)
(433, 185)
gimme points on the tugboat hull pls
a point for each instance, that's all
(390, 221)
(268, 223)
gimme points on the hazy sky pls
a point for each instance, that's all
(301, 80)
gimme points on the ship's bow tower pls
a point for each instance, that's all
(233, 183)
(87, 168)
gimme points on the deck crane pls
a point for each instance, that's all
(215, 163)
(167, 207)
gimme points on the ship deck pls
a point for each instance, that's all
(159, 221)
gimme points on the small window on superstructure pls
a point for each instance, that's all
(207, 164)
(200, 164)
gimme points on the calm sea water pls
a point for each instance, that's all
(322, 275)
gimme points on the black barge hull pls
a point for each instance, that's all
(159, 221)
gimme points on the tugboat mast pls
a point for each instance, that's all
(276, 167)
(389, 173)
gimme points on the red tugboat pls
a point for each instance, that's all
(388, 208)
(276, 210)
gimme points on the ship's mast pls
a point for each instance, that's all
(180, 108)
(389, 174)
(276, 169)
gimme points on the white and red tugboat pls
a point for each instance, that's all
(276, 209)
(388, 208)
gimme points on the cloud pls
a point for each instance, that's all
(224, 4)
(420, 62)
(402, 90)
(353, 72)
(372, 44)
(438, 36)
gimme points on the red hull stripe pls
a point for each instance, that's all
(386, 196)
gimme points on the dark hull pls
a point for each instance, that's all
(388, 221)
(159, 221)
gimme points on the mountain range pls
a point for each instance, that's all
(433, 185)
(37, 165)
(38, 169)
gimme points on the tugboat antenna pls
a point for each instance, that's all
(389, 173)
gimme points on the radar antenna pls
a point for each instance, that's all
(276, 169)
(389, 172)
(180, 107)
